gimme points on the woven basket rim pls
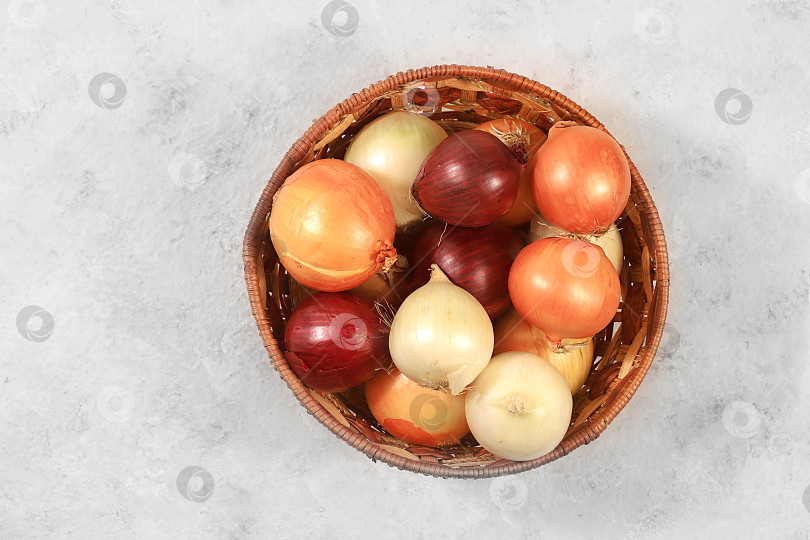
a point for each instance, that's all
(585, 433)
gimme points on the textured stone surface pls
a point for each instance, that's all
(135, 138)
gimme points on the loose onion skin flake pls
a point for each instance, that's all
(334, 341)
(581, 178)
(413, 413)
(524, 139)
(566, 287)
(470, 179)
(519, 407)
(332, 226)
(513, 333)
(476, 259)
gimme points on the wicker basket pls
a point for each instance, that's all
(458, 97)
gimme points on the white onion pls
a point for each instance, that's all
(392, 148)
(610, 241)
(441, 336)
(519, 407)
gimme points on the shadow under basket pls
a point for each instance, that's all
(460, 97)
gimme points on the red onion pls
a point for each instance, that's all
(335, 341)
(471, 179)
(477, 260)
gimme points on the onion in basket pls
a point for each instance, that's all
(524, 139)
(392, 148)
(441, 337)
(332, 226)
(610, 242)
(475, 259)
(470, 179)
(513, 333)
(413, 413)
(519, 407)
(334, 341)
(566, 287)
(581, 178)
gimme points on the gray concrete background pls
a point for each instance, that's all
(136, 400)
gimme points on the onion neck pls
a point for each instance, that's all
(387, 256)
(437, 276)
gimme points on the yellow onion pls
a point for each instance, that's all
(441, 336)
(392, 148)
(332, 226)
(514, 333)
(610, 241)
(519, 407)
(415, 414)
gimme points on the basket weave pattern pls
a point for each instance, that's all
(460, 97)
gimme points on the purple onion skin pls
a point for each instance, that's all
(470, 179)
(335, 341)
(476, 259)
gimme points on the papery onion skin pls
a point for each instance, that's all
(413, 413)
(519, 407)
(387, 288)
(470, 179)
(335, 341)
(476, 259)
(513, 333)
(523, 138)
(441, 336)
(610, 241)
(566, 287)
(392, 148)
(332, 226)
(581, 178)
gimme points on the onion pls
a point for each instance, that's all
(581, 178)
(332, 226)
(334, 341)
(392, 148)
(513, 333)
(519, 407)
(441, 337)
(523, 138)
(566, 287)
(415, 414)
(477, 260)
(610, 242)
(470, 179)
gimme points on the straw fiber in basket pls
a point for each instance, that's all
(458, 97)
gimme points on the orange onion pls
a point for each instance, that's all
(524, 139)
(415, 414)
(332, 226)
(581, 178)
(566, 287)
(610, 242)
(514, 333)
